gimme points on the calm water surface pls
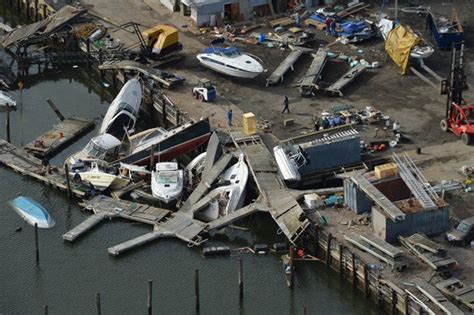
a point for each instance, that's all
(69, 275)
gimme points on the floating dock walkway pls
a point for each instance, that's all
(308, 83)
(282, 206)
(24, 163)
(287, 64)
(348, 77)
(63, 133)
(165, 223)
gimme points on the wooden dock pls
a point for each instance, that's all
(348, 77)
(438, 298)
(165, 223)
(309, 82)
(282, 206)
(63, 133)
(285, 65)
(24, 163)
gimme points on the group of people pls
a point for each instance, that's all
(329, 122)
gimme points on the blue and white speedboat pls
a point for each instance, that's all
(32, 212)
(230, 61)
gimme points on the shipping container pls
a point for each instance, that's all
(355, 199)
(428, 222)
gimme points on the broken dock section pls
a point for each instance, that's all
(63, 133)
(24, 163)
(285, 65)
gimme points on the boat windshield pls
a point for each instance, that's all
(95, 151)
(463, 227)
(125, 106)
(231, 53)
(167, 177)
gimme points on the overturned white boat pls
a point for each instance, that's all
(123, 111)
(167, 181)
(229, 197)
(230, 61)
(288, 165)
(7, 100)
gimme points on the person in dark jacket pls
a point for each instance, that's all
(286, 104)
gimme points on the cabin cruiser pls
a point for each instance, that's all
(102, 177)
(7, 100)
(167, 144)
(103, 147)
(231, 195)
(167, 181)
(230, 61)
(123, 111)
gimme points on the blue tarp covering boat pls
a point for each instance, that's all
(32, 212)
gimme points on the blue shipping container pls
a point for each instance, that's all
(355, 199)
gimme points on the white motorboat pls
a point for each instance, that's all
(7, 100)
(103, 147)
(195, 167)
(229, 197)
(123, 111)
(167, 181)
(230, 61)
(101, 178)
(287, 165)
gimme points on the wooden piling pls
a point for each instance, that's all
(196, 289)
(68, 180)
(305, 310)
(241, 280)
(354, 271)
(150, 291)
(394, 302)
(97, 302)
(292, 267)
(152, 157)
(7, 108)
(407, 304)
(36, 243)
(46, 311)
(328, 250)
(55, 109)
(366, 280)
(341, 260)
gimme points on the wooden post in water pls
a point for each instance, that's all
(46, 311)
(305, 310)
(241, 281)
(68, 180)
(55, 109)
(292, 267)
(36, 243)
(7, 108)
(328, 251)
(341, 260)
(152, 157)
(97, 302)
(150, 290)
(196, 289)
(354, 271)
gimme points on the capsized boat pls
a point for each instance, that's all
(195, 167)
(230, 61)
(123, 111)
(230, 196)
(103, 147)
(167, 144)
(7, 100)
(167, 181)
(32, 212)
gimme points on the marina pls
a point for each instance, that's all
(202, 168)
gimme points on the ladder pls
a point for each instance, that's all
(454, 85)
(406, 173)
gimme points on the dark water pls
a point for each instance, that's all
(69, 275)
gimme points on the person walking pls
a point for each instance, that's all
(286, 104)
(229, 117)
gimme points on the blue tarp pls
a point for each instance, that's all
(353, 27)
(318, 18)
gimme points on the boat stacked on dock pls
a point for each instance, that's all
(167, 182)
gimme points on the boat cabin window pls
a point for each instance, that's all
(95, 151)
(231, 53)
(165, 177)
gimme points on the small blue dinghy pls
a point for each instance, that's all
(32, 212)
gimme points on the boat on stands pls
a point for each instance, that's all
(230, 61)
(167, 182)
(231, 195)
(7, 100)
(103, 147)
(32, 212)
(122, 114)
(167, 144)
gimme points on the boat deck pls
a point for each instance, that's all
(282, 206)
(63, 133)
(24, 163)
